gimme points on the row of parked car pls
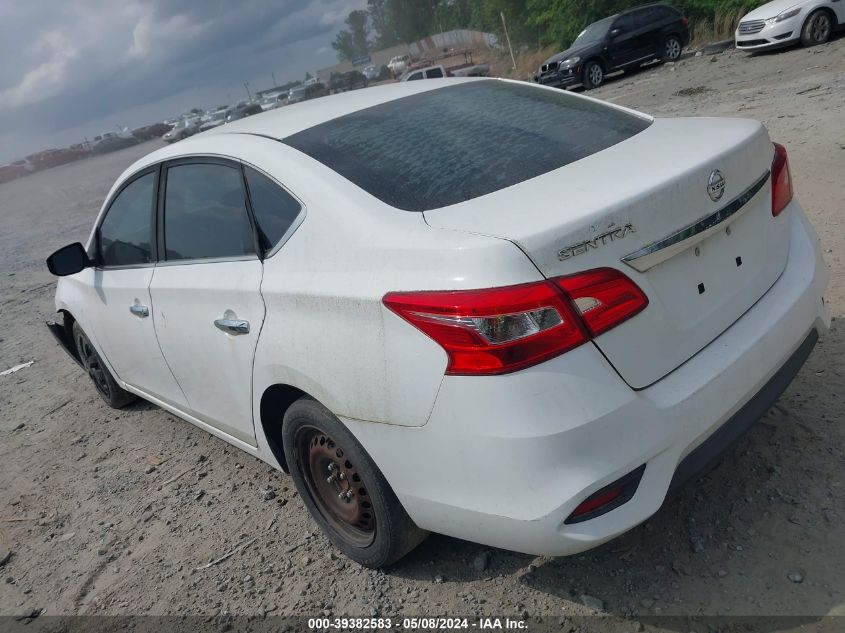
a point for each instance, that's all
(660, 32)
(100, 144)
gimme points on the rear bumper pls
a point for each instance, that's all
(710, 450)
(504, 460)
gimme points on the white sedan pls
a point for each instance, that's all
(521, 324)
(784, 22)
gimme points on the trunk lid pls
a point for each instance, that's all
(643, 206)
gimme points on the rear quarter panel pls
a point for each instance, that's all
(326, 330)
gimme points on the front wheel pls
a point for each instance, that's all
(671, 49)
(817, 29)
(343, 489)
(592, 75)
(105, 384)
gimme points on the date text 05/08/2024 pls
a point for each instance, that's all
(415, 623)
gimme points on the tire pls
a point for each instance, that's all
(592, 75)
(369, 524)
(817, 28)
(671, 50)
(113, 394)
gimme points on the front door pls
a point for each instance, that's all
(206, 291)
(119, 311)
(632, 41)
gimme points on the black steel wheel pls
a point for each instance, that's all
(343, 489)
(99, 374)
(338, 490)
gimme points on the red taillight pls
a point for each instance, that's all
(500, 330)
(604, 297)
(685, 21)
(781, 180)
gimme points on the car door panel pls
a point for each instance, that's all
(129, 340)
(213, 367)
(622, 47)
(211, 275)
(634, 43)
(119, 285)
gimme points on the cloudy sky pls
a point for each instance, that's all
(74, 68)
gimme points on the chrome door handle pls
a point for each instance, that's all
(232, 326)
(139, 311)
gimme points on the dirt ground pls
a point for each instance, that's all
(110, 512)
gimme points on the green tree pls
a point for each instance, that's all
(403, 21)
(353, 41)
(487, 16)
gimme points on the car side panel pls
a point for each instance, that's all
(326, 330)
(100, 300)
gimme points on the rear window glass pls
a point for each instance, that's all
(460, 142)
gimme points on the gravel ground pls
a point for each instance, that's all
(108, 512)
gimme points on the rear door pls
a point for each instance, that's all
(119, 308)
(206, 290)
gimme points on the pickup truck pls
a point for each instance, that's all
(438, 72)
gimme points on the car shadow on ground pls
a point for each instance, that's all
(617, 75)
(142, 405)
(733, 536)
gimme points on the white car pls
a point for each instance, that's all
(429, 72)
(399, 64)
(521, 325)
(784, 22)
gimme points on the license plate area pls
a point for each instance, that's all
(713, 283)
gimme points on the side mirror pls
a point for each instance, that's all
(68, 260)
(615, 32)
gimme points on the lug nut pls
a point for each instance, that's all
(332, 466)
(330, 479)
(342, 476)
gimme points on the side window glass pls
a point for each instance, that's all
(624, 24)
(434, 73)
(205, 213)
(125, 236)
(415, 76)
(274, 208)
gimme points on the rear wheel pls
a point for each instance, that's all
(343, 489)
(592, 76)
(671, 49)
(99, 374)
(817, 29)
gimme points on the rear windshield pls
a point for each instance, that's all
(460, 142)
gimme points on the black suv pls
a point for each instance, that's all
(350, 80)
(630, 38)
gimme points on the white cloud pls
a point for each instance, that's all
(71, 68)
(48, 77)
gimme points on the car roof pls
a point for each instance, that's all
(646, 6)
(280, 124)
